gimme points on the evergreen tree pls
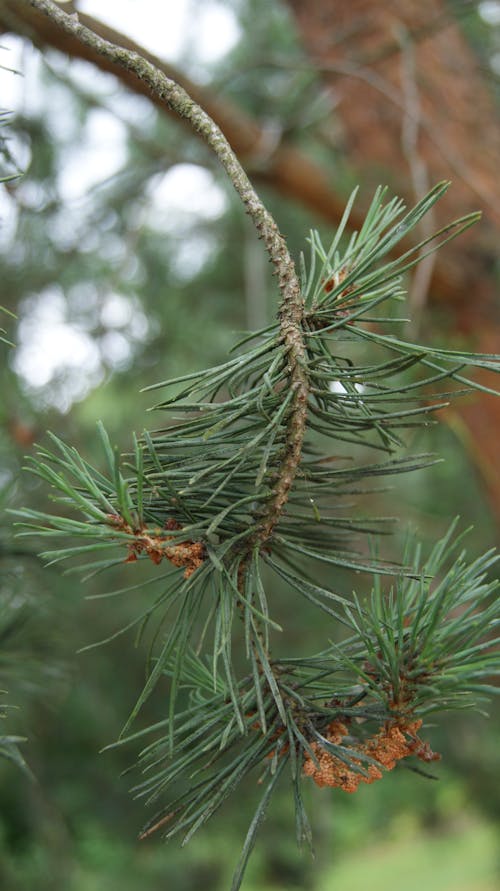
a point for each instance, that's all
(238, 490)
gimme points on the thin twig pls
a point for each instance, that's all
(291, 308)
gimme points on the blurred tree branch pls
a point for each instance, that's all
(285, 168)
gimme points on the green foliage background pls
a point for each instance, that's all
(74, 825)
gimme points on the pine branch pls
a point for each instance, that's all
(196, 494)
(205, 494)
(236, 480)
(352, 711)
(291, 307)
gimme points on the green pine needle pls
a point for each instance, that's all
(201, 493)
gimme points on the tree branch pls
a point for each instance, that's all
(291, 309)
(286, 168)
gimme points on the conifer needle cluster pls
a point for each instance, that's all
(241, 487)
(218, 498)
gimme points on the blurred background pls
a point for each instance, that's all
(127, 259)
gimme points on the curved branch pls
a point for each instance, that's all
(286, 168)
(291, 308)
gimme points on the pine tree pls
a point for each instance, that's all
(238, 491)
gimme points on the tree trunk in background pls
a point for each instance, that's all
(368, 44)
(285, 168)
(415, 108)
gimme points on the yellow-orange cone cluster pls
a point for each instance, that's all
(395, 741)
(184, 554)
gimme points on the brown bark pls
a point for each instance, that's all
(456, 124)
(454, 133)
(459, 130)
